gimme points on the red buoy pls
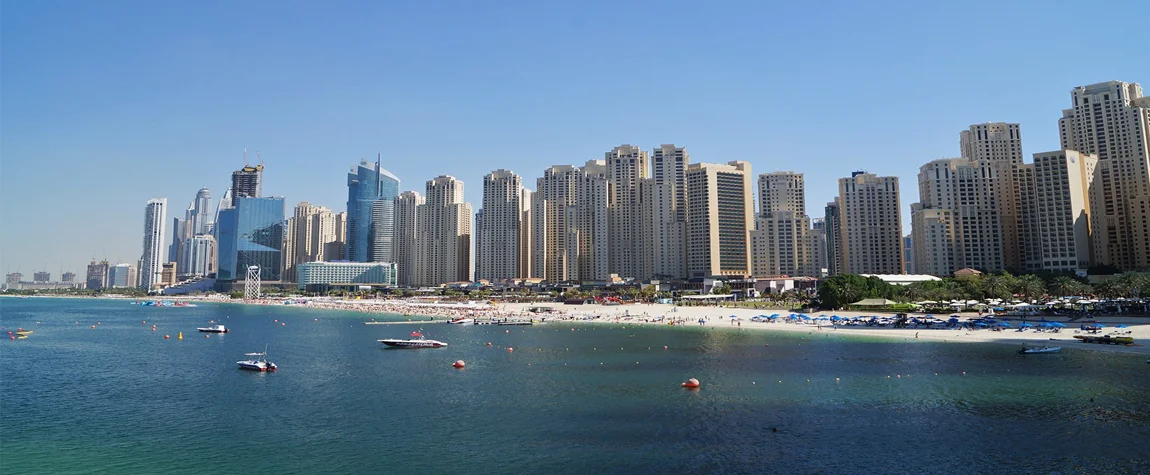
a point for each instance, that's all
(458, 364)
(167, 337)
(691, 384)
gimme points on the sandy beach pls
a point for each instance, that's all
(719, 317)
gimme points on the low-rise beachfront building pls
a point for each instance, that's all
(902, 279)
(322, 276)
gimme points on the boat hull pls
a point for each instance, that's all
(256, 366)
(1037, 351)
(413, 344)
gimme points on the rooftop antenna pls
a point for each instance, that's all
(259, 158)
(245, 154)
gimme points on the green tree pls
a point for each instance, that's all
(1064, 286)
(1030, 286)
(999, 286)
(722, 290)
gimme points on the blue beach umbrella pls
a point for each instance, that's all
(1003, 324)
(1121, 325)
(1026, 325)
(1056, 324)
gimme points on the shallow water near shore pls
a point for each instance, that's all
(569, 398)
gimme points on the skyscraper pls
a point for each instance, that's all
(781, 243)
(833, 216)
(444, 245)
(251, 234)
(782, 191)
(247, 182)
(1111, 120)
(959, 205)
(155, 217)
(498, 242)
(871, 227)
(198, 256)
(202, 206)
(97, 275)
(371, 192)
(992, 142)
(664, 212)
(569, 223)
(407, 237)
(121, 276)
(997, 146)
(1059, 211)
(819, 245)
(720, 215)
(626, 167)
(312, 230)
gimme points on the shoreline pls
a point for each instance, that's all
(719, 317)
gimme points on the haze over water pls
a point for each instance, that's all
(600, 399)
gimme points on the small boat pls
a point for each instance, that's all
(259, 362)
(214, 329)
(1039, 349)
(417, 341)
(462, 321)
(1106, 339)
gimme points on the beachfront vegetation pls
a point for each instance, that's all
(841, 290)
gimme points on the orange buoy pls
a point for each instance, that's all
(510, 349)
(691, 384)
(93, 326)
(167, 337)
(489, 343)
(458, 364)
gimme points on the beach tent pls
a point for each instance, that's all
(873, 303)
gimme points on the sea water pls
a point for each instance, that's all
(553, 398)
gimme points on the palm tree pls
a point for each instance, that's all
(1030, 287)
(998, 286)
(1063, 286)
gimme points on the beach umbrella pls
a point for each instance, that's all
(1056, 324)
(1003, 324)
(734, 316)
(1121, 325)
(1026, 325)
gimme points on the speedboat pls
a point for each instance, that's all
(462, 321)
(214, 329)
(417, 341)
(1039, 349)
(258, 362)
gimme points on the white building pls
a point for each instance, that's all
(498, 234)
(1111, 120)
(626, 168)
(199, 252)
(407, 236)
(569, 223)
(782, 242)
(720, 216)
(152, 260)
(664, 231)
(1060, 212)
(318, 276)
(871, 225)
(782, 191)
(961, 200)
(443, 242)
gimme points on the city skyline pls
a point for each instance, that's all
(166, 133)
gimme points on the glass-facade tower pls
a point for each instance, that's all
(251, 234)
(371, 192)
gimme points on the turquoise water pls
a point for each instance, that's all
(597, 399)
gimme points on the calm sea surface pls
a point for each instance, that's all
(600, 399)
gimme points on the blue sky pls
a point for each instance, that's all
(108, 104)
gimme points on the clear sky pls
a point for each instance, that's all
(108, 104)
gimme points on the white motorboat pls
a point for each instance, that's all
(462, 321)
(214, 329)
(417, 341)
(1025, 350)
(258, 362)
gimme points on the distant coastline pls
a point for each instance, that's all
(712, 316)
